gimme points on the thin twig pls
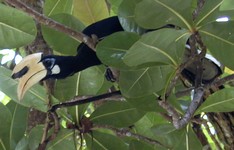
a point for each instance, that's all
(123, 132)
(53, 24)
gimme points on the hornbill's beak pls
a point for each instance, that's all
(29, 71)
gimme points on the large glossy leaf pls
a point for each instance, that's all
(115, 5)
(88, 82)
(90, 11)
(111, 51)
(34, 97)
(219, 39)
(5, 117)
(59, 41)
(227, 5)
(18, 122)
(53, 7)
(16, 28)
(209, 12)
(221, 101)
(127, 16)
(165, 46)
(142, 82)
(147, 103)
(64, 140)
(103, 141)
(140, 145)
(152, 14)
(22, 144)
(185, 139)
(119, 114)
(35, 136)
(143, 126)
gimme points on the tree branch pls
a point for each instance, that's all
(127, 133)
(53, 24)
(78, 101)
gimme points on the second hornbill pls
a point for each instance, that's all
(36, 67)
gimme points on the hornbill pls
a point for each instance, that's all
(36, 67)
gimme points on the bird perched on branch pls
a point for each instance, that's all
(36, 67)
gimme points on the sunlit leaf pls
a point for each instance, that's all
(16, 28)
(220, 101)
(152, 14)
(53, 7)
(90, 11)
(159, 47)
(59, 41)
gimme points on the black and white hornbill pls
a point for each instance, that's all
(36, 67)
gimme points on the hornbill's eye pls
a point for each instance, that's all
(49, 63)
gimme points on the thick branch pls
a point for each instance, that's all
(53, 24)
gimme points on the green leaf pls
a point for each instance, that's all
(59, 41)
(5, 117)
(152, 14)
(111, 51)
(227, 5)
(115, 5)
(34, 97)
(140, 145)
(209, 12)
(119, 114)
(90, 11)
(102, 141)
(23, 144)
(219, 39)
(53, 7)
(87, 82)
(185, 139)
(163, 129)
(64, 140)
(17, 28)
(143, 82)
(127, 16)
(147, 103)
(165, 46)
(18, 123)
(35, 136)
(220, 101)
